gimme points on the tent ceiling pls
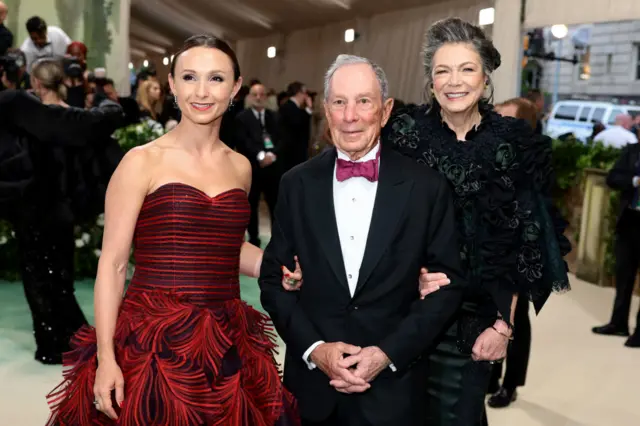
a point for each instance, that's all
(159, 25)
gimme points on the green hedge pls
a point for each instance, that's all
(570, 158)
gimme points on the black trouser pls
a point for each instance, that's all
(264, 181)
(627, 252)
(47, 262)
(518, 354)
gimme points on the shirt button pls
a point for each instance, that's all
(352, 238)
(353, 199)
(349, 276)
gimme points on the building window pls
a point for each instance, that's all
(637, 61)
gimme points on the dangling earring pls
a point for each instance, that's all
(231, 103)
(175, 100)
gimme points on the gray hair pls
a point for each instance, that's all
(455, 30)
(343, 60)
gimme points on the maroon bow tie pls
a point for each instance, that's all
(366, 169)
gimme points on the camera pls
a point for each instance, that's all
(10, 65)
(73, 68)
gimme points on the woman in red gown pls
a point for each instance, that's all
(181, 347)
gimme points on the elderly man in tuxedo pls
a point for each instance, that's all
(362, 220)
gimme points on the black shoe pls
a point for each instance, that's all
(634, 340)
(502, 398)
(611, 330)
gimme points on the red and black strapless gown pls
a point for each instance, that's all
(191, 351)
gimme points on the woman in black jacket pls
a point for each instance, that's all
(55, 162)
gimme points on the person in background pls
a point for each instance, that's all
(44, 41)
(14, 71)
(597, 128)
(295, 125)
(149, 100)
(518, 352)
(256, 137)
(6, 37)
(625, 177)
(619, 134)
(635, 129)
(282, 98)
(59, 184)
(536, 96)
(272, 100)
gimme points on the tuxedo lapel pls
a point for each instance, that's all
(321, 213)
(390, 203)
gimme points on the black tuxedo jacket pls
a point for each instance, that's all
(295, 130)
(412, 226)
(621, 177)
(248, 134)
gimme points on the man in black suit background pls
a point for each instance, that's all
(625, 177)
(295, 125)
(256, 137)
(362, 220)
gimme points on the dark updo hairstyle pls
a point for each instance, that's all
(211, 42)
(455, 30)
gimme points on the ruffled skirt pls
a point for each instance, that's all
(183, 364)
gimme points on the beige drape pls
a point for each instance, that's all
(393, 40)
(544, 13)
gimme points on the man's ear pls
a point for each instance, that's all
(387, 107)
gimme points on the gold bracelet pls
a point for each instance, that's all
(502, 334)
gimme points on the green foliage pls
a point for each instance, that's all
(138, 134)
(570, 159)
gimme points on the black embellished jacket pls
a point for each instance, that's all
(512, 236)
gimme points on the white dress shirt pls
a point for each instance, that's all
(353, 200)
(616, 136)
(56, 47)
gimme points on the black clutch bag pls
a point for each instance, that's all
(470, 326)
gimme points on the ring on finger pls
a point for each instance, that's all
(292, 281)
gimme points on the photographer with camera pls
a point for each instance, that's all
(13, 71)
(75, 67)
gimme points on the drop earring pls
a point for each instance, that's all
(175, 100)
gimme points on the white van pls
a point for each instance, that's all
(578, 117)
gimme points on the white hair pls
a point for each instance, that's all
(343, 60)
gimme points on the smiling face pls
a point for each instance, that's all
(204, 84)
(458, 78)
(355, 110)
